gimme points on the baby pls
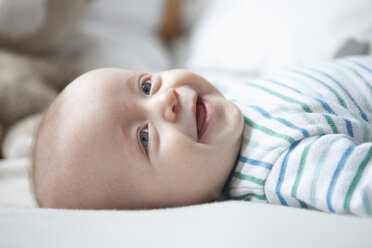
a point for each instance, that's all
(126, 139)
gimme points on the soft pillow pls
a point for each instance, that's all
(117, 33)
(38, 26)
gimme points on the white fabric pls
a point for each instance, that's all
(14, 184)
(227, 224)
(250, 38)
(20, 137)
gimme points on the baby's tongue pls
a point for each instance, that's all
(200, 116)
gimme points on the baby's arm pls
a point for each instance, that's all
(330, 172)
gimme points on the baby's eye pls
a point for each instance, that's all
(146, 87)
(144, 137)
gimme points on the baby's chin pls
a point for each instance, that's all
(231, 127)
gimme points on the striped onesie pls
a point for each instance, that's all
(307, 138)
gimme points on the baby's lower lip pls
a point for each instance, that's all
(208, 109)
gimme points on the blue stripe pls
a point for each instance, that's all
(349, 127)
(255, 162)
(326, 106)
(337, 173)
(348, 124)
(282, 173)
(357, 73)
(364, 116)
(281, 120)
(360, 65)
(323, 103)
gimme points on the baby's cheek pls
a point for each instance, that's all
(176, 147)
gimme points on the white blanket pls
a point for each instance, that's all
(223, 224)
(227, 224)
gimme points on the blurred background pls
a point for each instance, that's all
(44, 44)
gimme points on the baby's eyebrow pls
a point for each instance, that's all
(132, 85)
(133, 81)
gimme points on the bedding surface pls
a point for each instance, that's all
(14, 184)
(223, 224)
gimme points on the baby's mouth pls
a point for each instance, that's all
(204, 114)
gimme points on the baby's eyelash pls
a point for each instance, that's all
(144, 137)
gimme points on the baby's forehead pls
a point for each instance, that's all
(103, 77)
(90, 105)
(97, 85)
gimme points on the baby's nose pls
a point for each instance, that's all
(169, 105)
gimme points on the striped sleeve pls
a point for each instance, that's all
(330, 172)
(307, 140)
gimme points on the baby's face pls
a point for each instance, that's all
(146, 140)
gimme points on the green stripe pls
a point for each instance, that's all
(339, 98)
(356, 180)
(284, 108)
(331, 123)
(304, 106)
(259, 146)
(361, 93)
(365, 128)
(356, 72)
(301, 170)
(303, 83)
(269, 131)
(366, 204)
(306, 117)
(302, 204)
(249, 178)
(241, 197)
(318, 169)
(352, 82)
